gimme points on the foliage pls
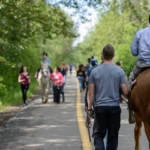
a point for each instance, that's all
(117, 25)
(27, 28)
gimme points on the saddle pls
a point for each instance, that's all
(133, 83)
(131, 118)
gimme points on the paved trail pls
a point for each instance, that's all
(55, 127)
(45, 127)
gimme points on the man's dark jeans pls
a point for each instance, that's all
(107, 118)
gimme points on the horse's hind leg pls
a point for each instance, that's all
(46, 92)
(137, 132)
(42, 88)
(147, 131)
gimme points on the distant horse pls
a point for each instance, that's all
(44, 81)
(140, 104)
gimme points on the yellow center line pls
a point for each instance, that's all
(81, 123)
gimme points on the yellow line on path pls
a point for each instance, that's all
(81, 123)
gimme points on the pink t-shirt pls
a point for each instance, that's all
(57, 78)
(25, 77)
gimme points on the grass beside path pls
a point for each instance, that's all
(13, 104)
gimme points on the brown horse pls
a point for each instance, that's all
(140, 104)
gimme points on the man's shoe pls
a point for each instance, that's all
(24, 105)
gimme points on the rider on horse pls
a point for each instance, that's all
(45, 59)
(140, 47)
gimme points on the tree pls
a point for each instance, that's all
(27, 28)
(117, 25)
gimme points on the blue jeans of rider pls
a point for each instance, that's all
(107, 121)
(80, 79)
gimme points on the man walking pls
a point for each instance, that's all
(105, 81)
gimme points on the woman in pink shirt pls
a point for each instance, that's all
(24, 79)
(57, 79)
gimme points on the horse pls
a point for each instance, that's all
(140, 104)
(44, 81)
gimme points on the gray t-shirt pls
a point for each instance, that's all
(107, 79)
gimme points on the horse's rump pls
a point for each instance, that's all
(140, 96)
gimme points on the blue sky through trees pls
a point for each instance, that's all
(84, 17)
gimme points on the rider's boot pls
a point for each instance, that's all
(131, 118)
(131, 82)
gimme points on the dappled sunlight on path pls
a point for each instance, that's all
(45, 126)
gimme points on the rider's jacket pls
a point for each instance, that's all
(141, 45)
(46, 60)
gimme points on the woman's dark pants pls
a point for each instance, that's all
(57, 91)
(24, 89)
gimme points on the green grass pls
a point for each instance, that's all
(14, 96)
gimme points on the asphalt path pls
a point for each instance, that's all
(55, 127)
(45, 126)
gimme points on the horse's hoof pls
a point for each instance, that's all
(44, 102)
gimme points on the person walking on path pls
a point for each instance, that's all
(140, 47)
(105, 81)
(24, 79)
(57, 79)
(70, 68)
(84, 81)
(93, 59)
(88, 65)
(81, 77)
(63, 72)
(88, 75)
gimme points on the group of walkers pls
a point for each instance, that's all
(57, 78)
(105, 84)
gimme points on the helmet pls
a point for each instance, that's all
(44, 53)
